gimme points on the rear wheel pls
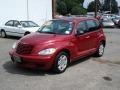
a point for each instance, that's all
(100, 50)
(61, 62)
(3, 34)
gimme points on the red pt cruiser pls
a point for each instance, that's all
(59, 42)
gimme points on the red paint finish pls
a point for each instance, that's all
(77, 46)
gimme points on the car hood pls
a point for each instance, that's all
(108, 23)
(40, 38)
(31, 29)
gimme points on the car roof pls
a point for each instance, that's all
(75, 18)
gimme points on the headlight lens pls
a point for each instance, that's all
(48, 51)
(14, 45)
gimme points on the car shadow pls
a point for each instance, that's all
(14, 69)
(12, 37)
(80, 60)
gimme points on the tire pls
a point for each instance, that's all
(26, 33)
(3, 34)
(61, 62)
(100, 50)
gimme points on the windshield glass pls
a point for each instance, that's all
(118, 17)
(28, 24)
(107, 20)
(57, 27)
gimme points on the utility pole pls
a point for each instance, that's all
(53, 8)
(96, 3)
(27, 10)
(110, 6)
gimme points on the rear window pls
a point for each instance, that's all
(93, 25)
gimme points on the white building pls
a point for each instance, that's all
(38, 10)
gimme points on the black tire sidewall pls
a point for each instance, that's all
(98, 53)
(2, 35)
(55, 68)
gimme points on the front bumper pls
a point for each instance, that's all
(33, 61)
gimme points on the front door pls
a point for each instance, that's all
(82, 39)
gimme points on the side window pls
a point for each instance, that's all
(9, 23)
(81, 28)
(24, 24)
(91, 25)
(16, 23)
(98, 24)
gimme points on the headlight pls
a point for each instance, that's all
(48, 51)
(14, 45)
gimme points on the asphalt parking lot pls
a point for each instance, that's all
(87, 74)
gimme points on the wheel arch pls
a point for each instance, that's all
(104, 42)
(2, 30)
(66, 51)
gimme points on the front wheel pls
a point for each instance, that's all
(100, 50)
(61, 62)
(3, 34)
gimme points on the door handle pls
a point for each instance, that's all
(87, 37)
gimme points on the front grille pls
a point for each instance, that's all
(24, 48)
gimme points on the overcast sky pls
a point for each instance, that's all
(88, 1)
(39, 10)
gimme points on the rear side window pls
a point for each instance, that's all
(9, 23)
(92, 25)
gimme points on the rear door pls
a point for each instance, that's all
(17, 29)
(93, 33)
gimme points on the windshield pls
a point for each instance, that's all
(28, 24)
(118, 17)
(107, 20)
(57, 27)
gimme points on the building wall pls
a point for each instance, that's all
(39, 10)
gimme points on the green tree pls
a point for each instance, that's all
(79, 1)
(77, 10)
(67, 6)
(62, 8)
(113, 4)
(91, 6)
